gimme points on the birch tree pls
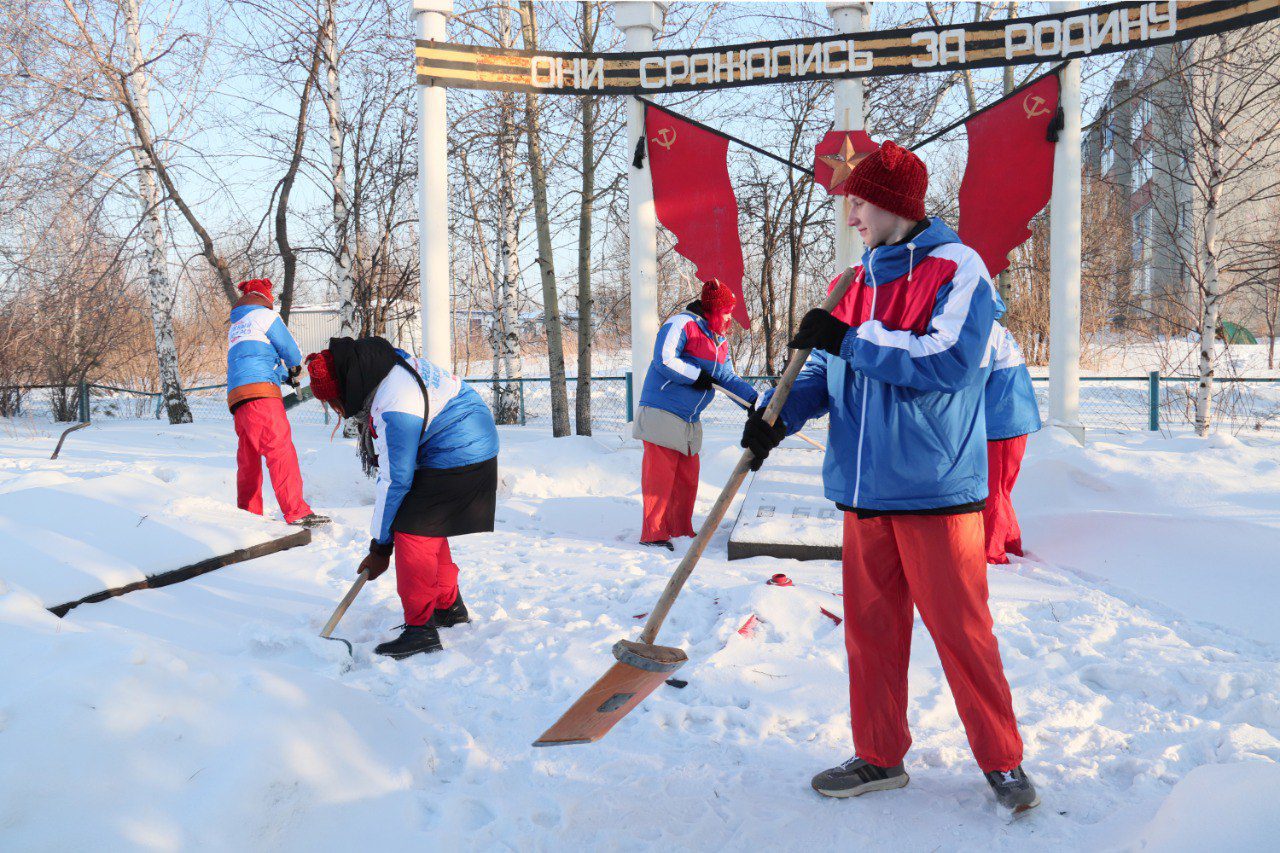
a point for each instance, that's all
(1215, 142)
(345, 281)
(507, 404)
(160, 289)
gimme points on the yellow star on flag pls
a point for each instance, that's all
(842, 163)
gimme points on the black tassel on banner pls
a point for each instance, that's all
(638, 160)
(1056, 126)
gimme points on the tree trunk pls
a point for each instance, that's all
(508, 401)
(546, 262)
(159, 289)
(1212, 290)
(582, 401)
(337, 145)
(289, 255)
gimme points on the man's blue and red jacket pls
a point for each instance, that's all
(685, 347)
(905, 395)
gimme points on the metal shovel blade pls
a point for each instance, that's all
(640, 669)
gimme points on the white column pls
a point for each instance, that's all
(641, 21)
(433, 198)
(850, 103)
(1064, 255)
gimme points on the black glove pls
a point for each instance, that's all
(376, 561)
(760, 438)
(819, 330)
(704, 381)
(292, 379)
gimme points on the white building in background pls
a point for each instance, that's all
(313, 325)
(1143, 147)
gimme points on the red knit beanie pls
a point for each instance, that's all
(256, 285)
(893, 179)
(717, 301)
(324, 383)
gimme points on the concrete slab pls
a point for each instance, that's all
(784, 513)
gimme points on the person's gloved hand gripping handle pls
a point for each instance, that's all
(760, 438)
(819, 329)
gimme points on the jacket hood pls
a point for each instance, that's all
(892, 261)
(359, 366)
(695, 308)
(252, 298)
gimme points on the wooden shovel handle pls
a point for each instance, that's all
(341, 609)
(730, 491)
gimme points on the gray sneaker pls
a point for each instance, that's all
(857, 777)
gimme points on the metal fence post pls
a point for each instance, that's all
(1153, 401)
(520, 383)
(84, 401)
(630, 413)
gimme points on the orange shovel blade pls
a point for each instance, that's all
(638, 672)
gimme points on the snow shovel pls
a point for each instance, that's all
(642, 666)
(297, 397)
(341, 611)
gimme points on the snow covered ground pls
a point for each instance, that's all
(1139, 641)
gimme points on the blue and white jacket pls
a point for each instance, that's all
(257, 344)
(685, 347)
(1010, 401)
(459, 431)
(905, 394)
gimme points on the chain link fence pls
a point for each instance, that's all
(1120, 403)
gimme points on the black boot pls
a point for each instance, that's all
(414, 639)
(1013, 789)
(311, 520)
(447, 617)
(660, 543)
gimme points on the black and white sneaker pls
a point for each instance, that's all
(660, 543)
(449, 616)
(415, 639)
(857, 777)
(1013, 789)
(311, 520)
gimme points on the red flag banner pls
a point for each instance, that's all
(694, 199)
(1009, 176)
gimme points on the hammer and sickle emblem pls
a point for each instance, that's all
(1034, 105)
(666, 138)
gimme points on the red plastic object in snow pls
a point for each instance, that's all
(779, 580)
(748, 628)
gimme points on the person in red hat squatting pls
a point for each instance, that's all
(260, 355)
(1012, 415)
(435, 447)
(690, 358)
(900, 366)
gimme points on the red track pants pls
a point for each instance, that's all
(935, 562)
(426, 576)
(1004, 461)
(263, 430)
(669, 483)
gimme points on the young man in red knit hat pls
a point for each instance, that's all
(260, 355)
(900, 365)
(690, 358)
